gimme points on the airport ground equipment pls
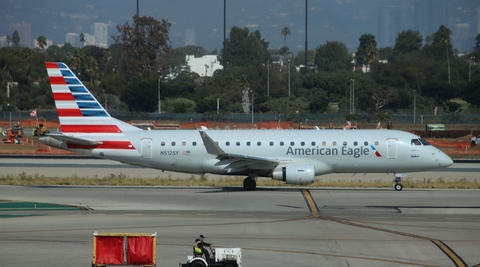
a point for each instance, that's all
(221, 257)
(40, 127)
(124, 249)
(475, 140)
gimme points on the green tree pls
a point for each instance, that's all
(332, 56)
(16, 39)
(285, 32)
(245, 48)
(367, 41)
(42, 42)
(77, 60)
(143, 45)
(443, 36)
(407, 42)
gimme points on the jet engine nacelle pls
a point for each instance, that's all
(295, 173)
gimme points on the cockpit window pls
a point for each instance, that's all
(424, 142)
(416, 142)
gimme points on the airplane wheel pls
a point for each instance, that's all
(398, 187)
(249, 184)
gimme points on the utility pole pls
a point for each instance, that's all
(306, 35)
(353, 96)
(159, 103)
(414, 106)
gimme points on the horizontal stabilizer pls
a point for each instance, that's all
(72, 140)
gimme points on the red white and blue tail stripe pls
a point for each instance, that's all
(84, 123)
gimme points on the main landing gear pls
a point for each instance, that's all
(249, 184)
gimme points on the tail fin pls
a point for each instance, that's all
(78, 110)
(85, 124)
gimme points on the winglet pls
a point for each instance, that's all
(210, 145)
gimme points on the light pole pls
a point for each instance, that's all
(252, 106)
(289, 78)
(159, 103)
(268, 78)
(352, 111)
(105, 99)
(10, 108)
(470, 69)
(414, 106)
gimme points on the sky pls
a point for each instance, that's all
(328, 20)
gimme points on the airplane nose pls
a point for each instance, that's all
(444, 160)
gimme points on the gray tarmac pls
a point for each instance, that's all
(274, 226)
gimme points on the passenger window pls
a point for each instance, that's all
(184, 143)
(344, 143)
(355, 143)
(227, 143)
(313, 143)
(173, 143)
(259, 143)
(334, 143)
(376, 143)
(248, 143)
(238, 143)
(292, 143)
(365, 143)
(282, 143)
(162, 143)
(302, 143)
(271, 143)
(416, 142)
(194, 143)
(324, 143)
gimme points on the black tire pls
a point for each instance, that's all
(249, 184)
(197, 264)
(473, 144)
(398, 187)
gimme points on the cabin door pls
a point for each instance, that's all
(392, 148)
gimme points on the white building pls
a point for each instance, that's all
(100, 30)
(204, 66)
(89, 39)
(73, 39)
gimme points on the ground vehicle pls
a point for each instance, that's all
(221, 257)
(41, 127)
(475, 140)
(14, 134)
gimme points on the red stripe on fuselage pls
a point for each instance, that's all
(69, 112)
(79, 128)
(63, 96)
(104, 145)
(57, 80)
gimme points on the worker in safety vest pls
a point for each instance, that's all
(200, 246)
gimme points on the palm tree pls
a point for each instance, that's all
(77, 59)
(371, 53)
(285, 31)
(91, 68)
(82, 39)
(9, 40)
(443, 36)
(245, 86)
(42, 42)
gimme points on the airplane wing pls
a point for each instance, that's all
(235, 160)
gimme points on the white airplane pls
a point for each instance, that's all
(292, 156)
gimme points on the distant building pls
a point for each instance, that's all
(24, 31)
(190, 37)
(391, 21)
(89, 39)
(3, 41)
(73, 39)
(204, 66)
(100, 30)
